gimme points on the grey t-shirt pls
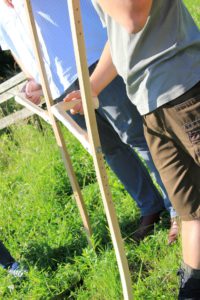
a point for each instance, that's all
(160, 62)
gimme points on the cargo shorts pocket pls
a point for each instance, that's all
(184, 122)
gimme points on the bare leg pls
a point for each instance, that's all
(191, 243)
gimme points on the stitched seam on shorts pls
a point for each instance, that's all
(185, 104)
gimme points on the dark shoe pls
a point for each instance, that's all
(189, 284)
(173, 232)
(146, 226)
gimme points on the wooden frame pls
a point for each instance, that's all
(21, 99)
(79, 48)
(83, 75)
(55, 124)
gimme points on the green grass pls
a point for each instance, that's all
(194, 8)
(41, 226)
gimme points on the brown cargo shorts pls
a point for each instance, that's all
(173, 135)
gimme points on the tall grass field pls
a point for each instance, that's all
(41, 226)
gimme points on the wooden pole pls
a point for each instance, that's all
(83, 75)
(54, 122)
(21, 99)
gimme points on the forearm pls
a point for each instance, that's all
(104, 72)
(132, 14)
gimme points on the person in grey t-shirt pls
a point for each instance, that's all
(155, 47)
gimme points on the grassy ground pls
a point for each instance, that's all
(40, 224)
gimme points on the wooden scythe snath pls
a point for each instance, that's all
(54, 122)
(56, 112)
(83, 75)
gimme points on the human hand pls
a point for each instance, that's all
(9, 3)
(33, 91)
(78, 108)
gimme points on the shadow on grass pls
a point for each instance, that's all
(43, 256)
(67, 294)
